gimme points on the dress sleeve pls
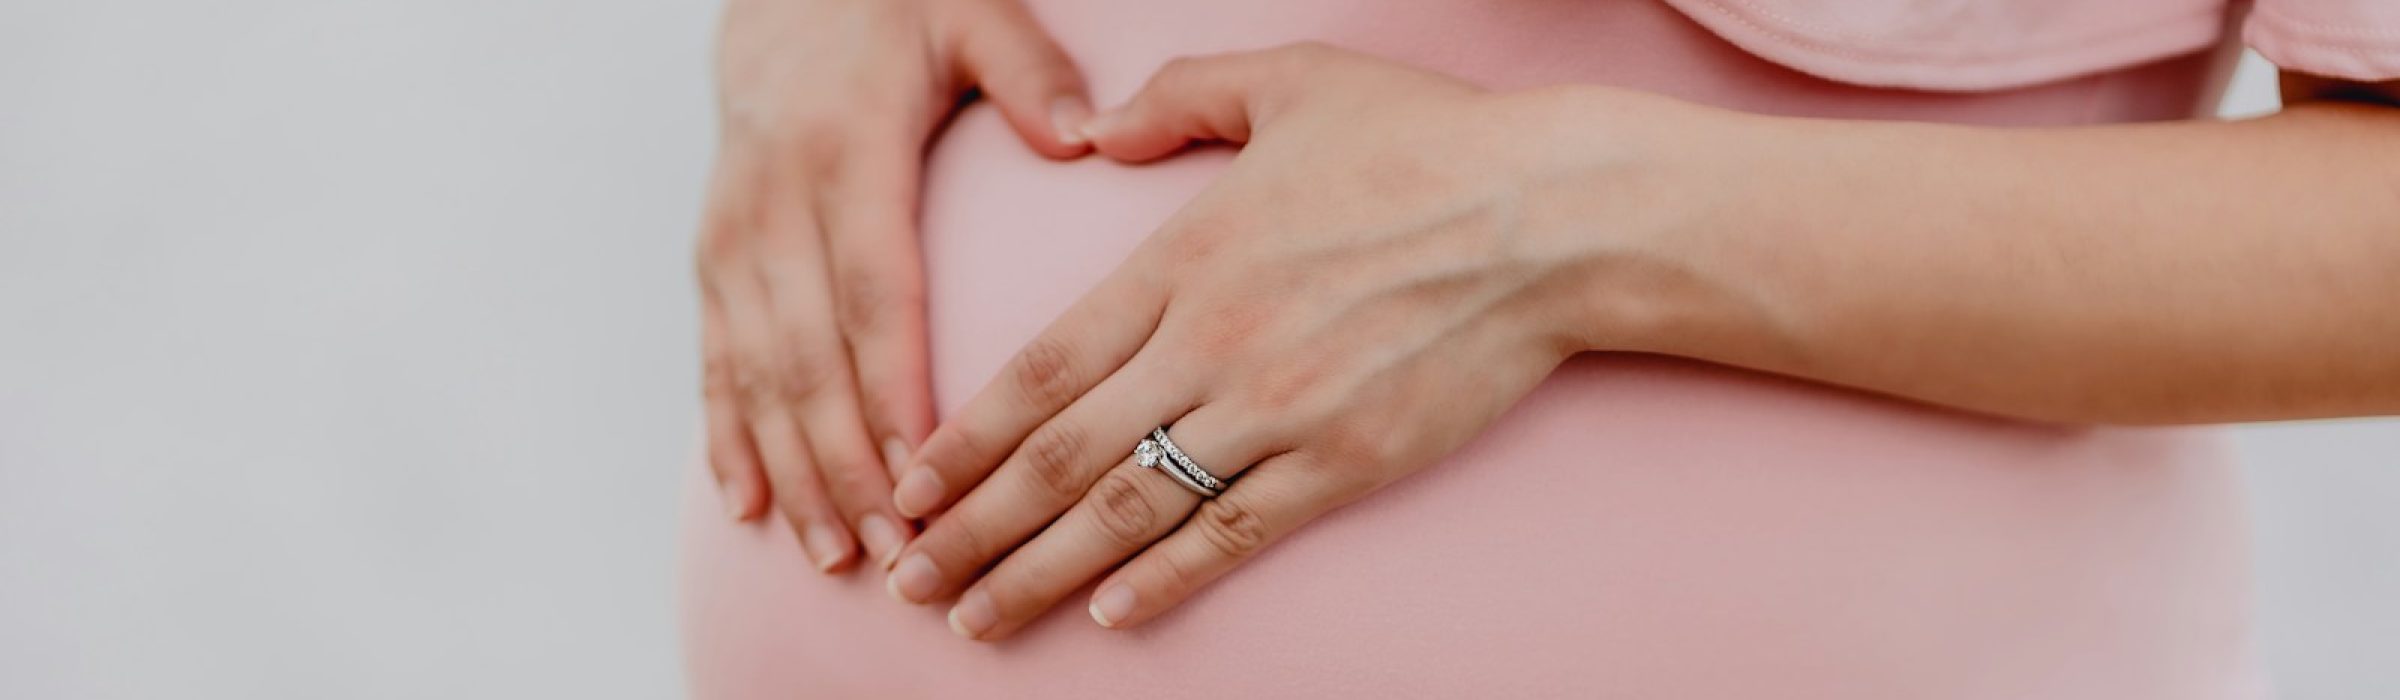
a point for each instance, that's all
(2348, 39)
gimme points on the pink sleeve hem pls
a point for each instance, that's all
(1950, 66)
(2364, 53)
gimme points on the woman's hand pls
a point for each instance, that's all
(813, 327)
(1365, 289)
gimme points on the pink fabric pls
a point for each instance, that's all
(1638, 527)
(1987, 44)
(2354, 39)
(1960, 44)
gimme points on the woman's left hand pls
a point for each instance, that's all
(1360, 293)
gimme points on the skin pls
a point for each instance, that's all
(1412, 270)
(813, 315)
(1389, 234)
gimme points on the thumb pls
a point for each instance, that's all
(1209, 98)
(1004, 51)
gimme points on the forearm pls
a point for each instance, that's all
(2156, 273)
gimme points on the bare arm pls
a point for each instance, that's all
(2150, 273)
(1397, 256)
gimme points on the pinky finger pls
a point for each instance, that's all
(731, 457)
(1271, 499)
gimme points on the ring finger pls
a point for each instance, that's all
(1121, 515)
(775, 435)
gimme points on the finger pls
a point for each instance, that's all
(819, 390)
(1130, 507)
(1001, 48)
(764, 394)
(1087, 343)
(722, 262)
(1048, 473)
(879, 295)
(1209, 98)
(1278, 496)
(730, 455)
(861, 490)
(1124, 513)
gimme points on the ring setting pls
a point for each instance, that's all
(1159, 452)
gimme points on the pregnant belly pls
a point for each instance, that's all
(1637, 527)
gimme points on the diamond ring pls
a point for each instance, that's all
(1159, 452)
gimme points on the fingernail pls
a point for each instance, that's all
(1067, 115)
(1097, 125)
(895, 453)
(974, 615)
(914, 580)
(827, 546)
(1112, 605)
(883, 538)
(918, 493)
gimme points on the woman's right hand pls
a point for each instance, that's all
(813, 313)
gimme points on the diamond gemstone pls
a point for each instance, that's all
(1146, 454)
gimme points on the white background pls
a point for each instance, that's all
(346, 349)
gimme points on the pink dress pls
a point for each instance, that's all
(1638, 527)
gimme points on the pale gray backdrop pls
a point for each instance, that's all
(346, 351)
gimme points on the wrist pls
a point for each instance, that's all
(1634, 203)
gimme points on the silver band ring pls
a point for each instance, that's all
(1159, 451)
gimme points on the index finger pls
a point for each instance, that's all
(1084, 345)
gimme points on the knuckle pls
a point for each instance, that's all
(752, 384)
(879, 409)
(1179, 575)
(869, 303)
(950, 450)
(861, 304)
(849, 480)
(718, 378)
(956, 540)
(1124, 511)
(803, 378)
(1045, 373)
(786, 248)
(1189, 247)
(1053, 454)
(1183, 71)
(796, 505)
(1223, 332)
(1232, 527)
(800, 382)
(815, 146)
(1283, 392)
